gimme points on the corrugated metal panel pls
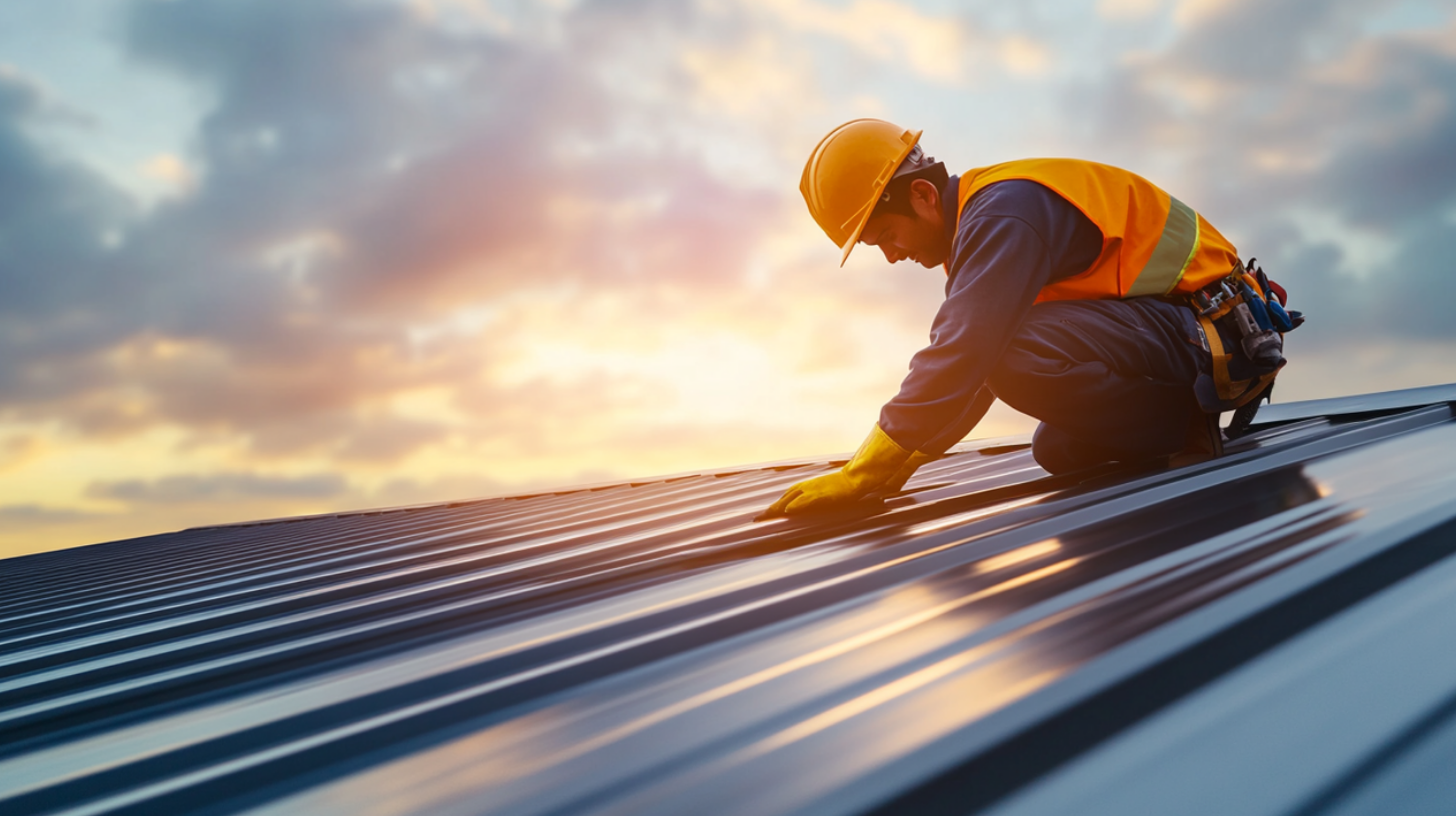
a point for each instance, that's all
(646, 648)
(1383, 402)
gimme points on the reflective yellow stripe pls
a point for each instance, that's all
(1172, 255)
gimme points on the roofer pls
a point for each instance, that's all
(1077, 293)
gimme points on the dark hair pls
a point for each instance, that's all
(896, 199)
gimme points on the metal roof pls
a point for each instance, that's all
(1265, 633)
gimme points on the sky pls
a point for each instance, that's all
(267, 257)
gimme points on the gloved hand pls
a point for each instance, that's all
(876, 462)
(897, 482)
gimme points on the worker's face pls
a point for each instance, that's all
(920, 237)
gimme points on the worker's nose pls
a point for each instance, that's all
(889, 256)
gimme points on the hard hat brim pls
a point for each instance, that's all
(869, 209)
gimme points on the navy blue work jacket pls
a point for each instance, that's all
(1013, 238)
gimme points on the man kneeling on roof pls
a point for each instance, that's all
(1077, 293)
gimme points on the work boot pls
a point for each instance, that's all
(1204, 441)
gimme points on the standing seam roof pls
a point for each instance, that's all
(991, 638)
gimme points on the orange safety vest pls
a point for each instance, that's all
(1152, 243)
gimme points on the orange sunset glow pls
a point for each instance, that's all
(272, 258)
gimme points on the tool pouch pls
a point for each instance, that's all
(1242, 321)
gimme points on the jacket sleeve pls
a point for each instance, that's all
(999, 263)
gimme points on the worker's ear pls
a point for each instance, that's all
(925, 199)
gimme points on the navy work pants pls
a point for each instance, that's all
(1110, 380)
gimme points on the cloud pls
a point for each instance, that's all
(35, 515)
(19, 450)
(894, 32)
(1413, 300)
(172, 171)
(1394, 162)
(1024, 55)
(54, 215)
(366, 172)
(384, 199)
(1321, 149)
(215, 487)
(1128, 9)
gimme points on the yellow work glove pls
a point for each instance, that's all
(876, 462)
(897, 482)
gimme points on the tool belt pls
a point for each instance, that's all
(1242, 321)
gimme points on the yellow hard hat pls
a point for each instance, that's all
(848, 172)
